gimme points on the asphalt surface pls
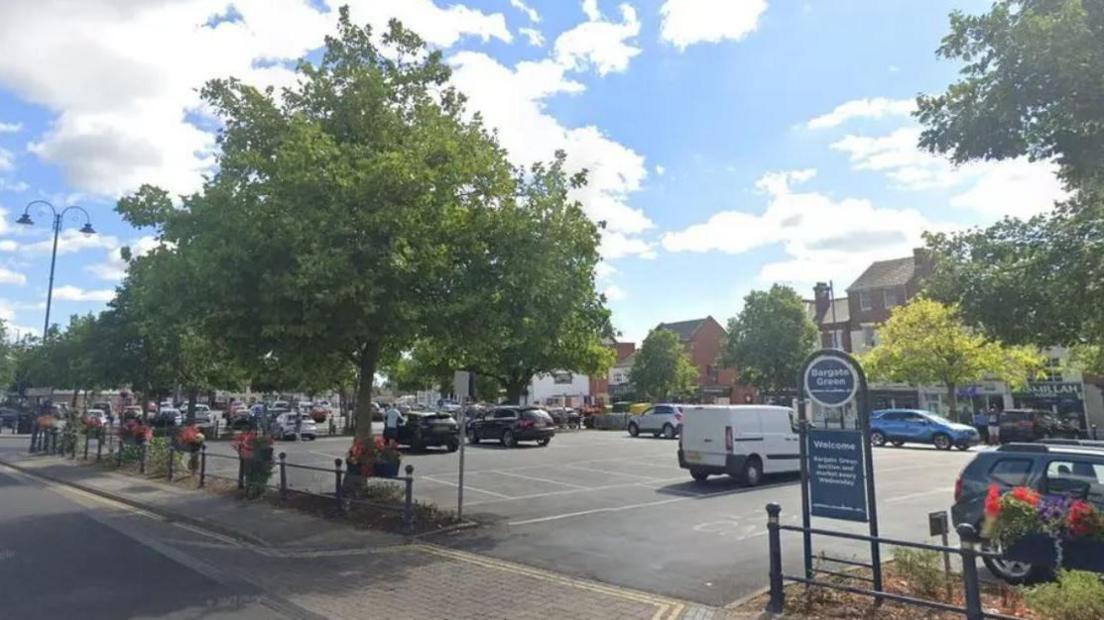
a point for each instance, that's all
(64, 556)
(605, 506)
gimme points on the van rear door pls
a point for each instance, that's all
(703, 435)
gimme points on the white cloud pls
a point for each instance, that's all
(113, 268)
(13, 186)
(529, 11)
(878, 107)
(10, 127)
(7, 245)
(534, 36)
(7, 160)
(823, 238)
(69, 242)
(604, 271)
(7, 276)
(618, 245)
(121, 76)
(590, 9)
(599, 42)
(614, 293)
(69, 292)
(660, 170)
(686, 22)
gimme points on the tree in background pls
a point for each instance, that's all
(925, 342)
(661, 369)
(770, 339)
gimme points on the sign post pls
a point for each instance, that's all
(462, 382)
(837, 466)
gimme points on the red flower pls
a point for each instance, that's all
(1026, 495)
(190, 435)
(993, 502)
(1080, 517)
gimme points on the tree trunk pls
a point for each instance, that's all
(193, 396)
(952, 401)
(369, 356)
(515, 387)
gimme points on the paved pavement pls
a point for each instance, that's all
(604, 506)
(291, 565)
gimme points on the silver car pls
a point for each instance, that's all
(659, 420)
(287, 424)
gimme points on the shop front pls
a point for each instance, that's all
(1063, 398)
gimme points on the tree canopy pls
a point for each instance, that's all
(661, 369)
(770, 338)
(925, 342)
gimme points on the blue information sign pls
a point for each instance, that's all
(831, 381)
(837, 480)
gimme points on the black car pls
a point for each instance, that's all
(1032, 425)
(565, 417)
(424, 429)
(1053, 466)
(511, 425)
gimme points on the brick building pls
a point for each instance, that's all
(705, 340)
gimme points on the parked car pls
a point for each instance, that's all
(1033, 425)
(288, 423)
(511, 425)
(98, 414)
(565, 417)
(1055, 467)
(659, 420)
(743, 441)
(166, 416)
(900, 426)
(427, 428)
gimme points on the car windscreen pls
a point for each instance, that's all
(536, 415)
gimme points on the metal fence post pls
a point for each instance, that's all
(283, 475)
(215, 429)
(111, 436)
(241, 472)
(142, 463)
(99, 445)
(34, 436)
(86, 438)
(1094, 432)
(777, 595)
(172, 457)
(967, 537)
(202, 465)
(337, 485)
(408, 507)
(119, 456)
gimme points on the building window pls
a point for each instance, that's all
(864, 301)
(561, 378)
(890, 297)
(868, 335)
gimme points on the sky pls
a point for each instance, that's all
(730, 144)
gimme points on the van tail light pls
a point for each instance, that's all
(728, 439)
(958, 488)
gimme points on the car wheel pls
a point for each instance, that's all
(668, 431)
(898, 444)
(877, 438)
(942, 441)
(1013, 572)
(544, 442)
(473, 436)
(699, 475)
(963, 446)
(453, 445)
(508, 439)
(633, 430)
(310, 437)
(753, 472)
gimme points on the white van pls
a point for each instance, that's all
(743, 441)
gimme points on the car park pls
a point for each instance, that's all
(901, 426)
(665, 420)
(743, 441)
(289, 424)
(429, 428)
(1052, 467)
(510, 425)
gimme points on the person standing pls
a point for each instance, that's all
(981, 423)
(391, 421)
(994, 426)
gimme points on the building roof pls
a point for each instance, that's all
(842, 315)
(883, 273)
(685, 330)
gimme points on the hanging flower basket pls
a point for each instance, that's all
(190, 438)
(1053, 531)
(376, 458)
(134, 432)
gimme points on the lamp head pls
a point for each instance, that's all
(87, 229)
(25, 219)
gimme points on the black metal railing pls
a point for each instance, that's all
(967, 551)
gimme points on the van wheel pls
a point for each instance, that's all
(877, 438)
(668, 431)
(699, 475)
(633, 430)
(942, 441)
(753, 472)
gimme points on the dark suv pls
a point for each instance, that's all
(511, 425)
(429, 429)
(1053, 466)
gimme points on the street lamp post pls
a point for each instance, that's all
(59, 217)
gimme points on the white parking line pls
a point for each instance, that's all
(467, 487)
(902, 498)
(536, 479)
(611, 473)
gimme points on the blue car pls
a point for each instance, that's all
(901, 426)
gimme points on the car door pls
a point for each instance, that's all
(661, 416)
(645, 420)
(915, 427)
(890, 425)
(504, 419)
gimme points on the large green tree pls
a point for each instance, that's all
(770, 338)
(661, 369)
(925, 342)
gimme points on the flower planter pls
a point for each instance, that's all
(1039, 550)
(385, 470)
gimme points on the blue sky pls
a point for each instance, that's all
(731, 143)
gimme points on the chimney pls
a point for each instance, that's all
(922, 263)
(822, 300)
